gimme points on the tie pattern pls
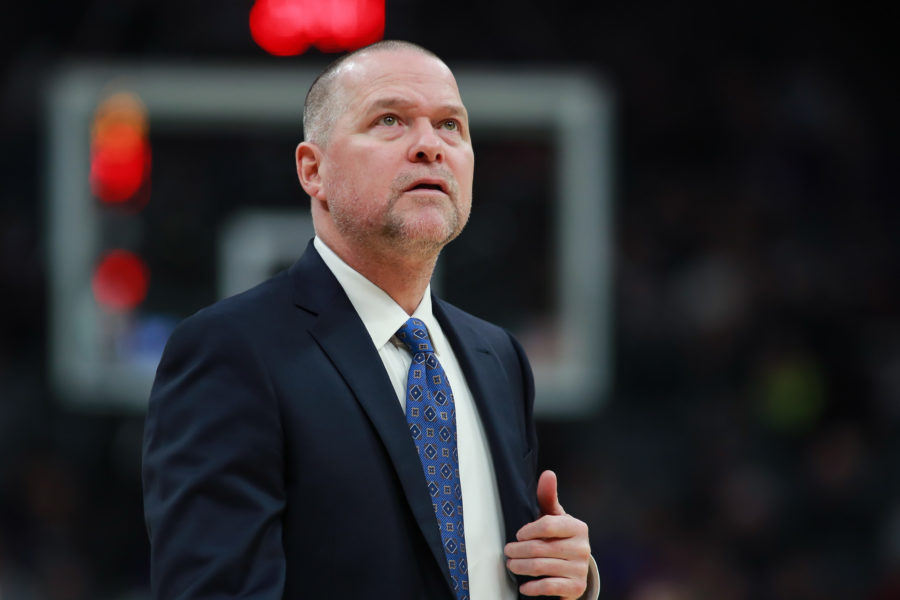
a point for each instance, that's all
(431, 415)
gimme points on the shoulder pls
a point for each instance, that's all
(242, 329)
(245, 312)
(273, 307)
(222, 355)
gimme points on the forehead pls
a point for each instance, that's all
(407, 74)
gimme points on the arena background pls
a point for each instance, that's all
(747, 446)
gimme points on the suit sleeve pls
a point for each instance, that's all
(213, 471)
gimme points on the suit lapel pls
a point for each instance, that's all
(343, 338)
(488, 381)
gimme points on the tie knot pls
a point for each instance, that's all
(415, 335)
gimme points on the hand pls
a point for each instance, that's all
(555, 547)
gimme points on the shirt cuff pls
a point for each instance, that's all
(593, 582)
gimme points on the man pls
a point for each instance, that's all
(277, 459)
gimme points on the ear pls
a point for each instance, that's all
(309, 165)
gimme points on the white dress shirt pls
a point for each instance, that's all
(483, 514)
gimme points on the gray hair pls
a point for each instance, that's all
(324, 104)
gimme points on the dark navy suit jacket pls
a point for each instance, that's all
(277, 460)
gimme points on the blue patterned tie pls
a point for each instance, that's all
(431, 415)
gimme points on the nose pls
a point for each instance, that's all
(426, 145)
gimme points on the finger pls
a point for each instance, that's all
(565, 549)
(554, 586)
(547, 567)
(548, 500)
(551, 526)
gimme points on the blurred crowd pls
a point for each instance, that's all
(749, 446)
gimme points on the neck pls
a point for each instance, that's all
(403, 276)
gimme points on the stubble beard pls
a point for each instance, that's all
(388, 229)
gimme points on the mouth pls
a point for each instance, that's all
(428, 184)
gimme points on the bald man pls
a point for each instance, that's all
(338, 431)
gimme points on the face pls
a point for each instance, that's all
(396, 173)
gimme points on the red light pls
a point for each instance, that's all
(289, 27)
(277, 26)
(119, 164)
(120, 281)
(120, 150)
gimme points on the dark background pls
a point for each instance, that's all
(749, 446)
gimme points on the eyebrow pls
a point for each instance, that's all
(395, 102)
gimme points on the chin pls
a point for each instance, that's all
(423, 236)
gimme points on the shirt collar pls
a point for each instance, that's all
(380, 314)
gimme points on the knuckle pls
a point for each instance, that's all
(543, 566)
(538, 587)
(542, 548)
(527, 567)
(521, 566)
(584, 550)
(539, 566)
(575, 590)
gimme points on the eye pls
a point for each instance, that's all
(450, 125)
(389, 120)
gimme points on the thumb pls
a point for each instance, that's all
(547, 497)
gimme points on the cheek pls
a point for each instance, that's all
(464, 176)
(343, 181)
(465, 164)
(365, 172)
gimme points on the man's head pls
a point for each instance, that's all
(388, 160)
(325, 100)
